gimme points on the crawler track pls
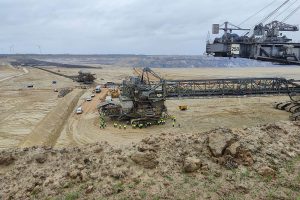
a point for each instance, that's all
(290, 106)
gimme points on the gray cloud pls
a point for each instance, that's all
(119, 26)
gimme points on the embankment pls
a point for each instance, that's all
(49, 129)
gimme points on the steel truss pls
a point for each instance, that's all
(230, 87)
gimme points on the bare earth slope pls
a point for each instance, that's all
(252, 163)
(48, 130)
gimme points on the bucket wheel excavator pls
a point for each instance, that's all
(142, 97)
(141, 101)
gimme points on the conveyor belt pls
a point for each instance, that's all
(230, 87)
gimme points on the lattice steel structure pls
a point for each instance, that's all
(265, 41)
(229, 87)
(142, 97)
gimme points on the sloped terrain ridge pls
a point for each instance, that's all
(152, 61)
(252, 163)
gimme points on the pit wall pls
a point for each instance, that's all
(48, 130)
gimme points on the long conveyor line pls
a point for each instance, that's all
(230, 87)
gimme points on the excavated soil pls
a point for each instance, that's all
(262, 162)
(80, 161)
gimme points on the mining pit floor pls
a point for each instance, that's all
(22, 109)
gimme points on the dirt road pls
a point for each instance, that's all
(90, 107)
(15, 76)
(76, 130)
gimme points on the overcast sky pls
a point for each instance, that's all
(121, 26)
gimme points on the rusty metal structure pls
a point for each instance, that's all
(143, 96)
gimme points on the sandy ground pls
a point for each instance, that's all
(22, 109)
(203, 114)
(10, 73)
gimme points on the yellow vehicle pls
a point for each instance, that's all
(115, 93)
(183, 107)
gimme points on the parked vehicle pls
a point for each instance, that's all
(89, 99)
(98, 89)
(79, 110)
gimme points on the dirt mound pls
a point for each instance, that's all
(253, 163)
(48, 130)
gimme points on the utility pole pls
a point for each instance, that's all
(12, 49)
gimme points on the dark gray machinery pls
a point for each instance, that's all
(142, 97)
(230, 87)
(141, 100)
(292, 106)
(266, 42)
(85, 77)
